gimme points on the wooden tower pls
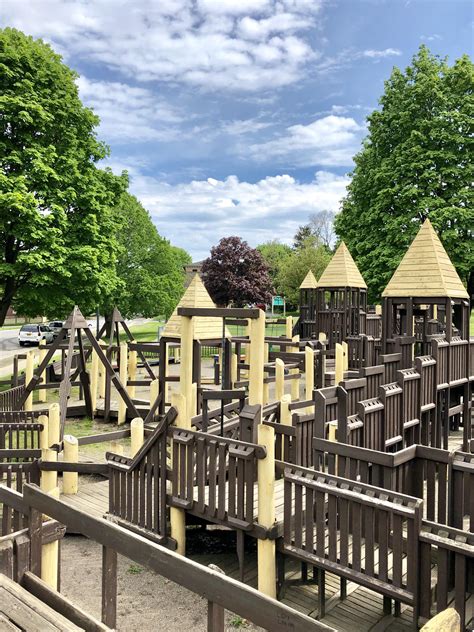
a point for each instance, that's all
(425, 294)
(341, 302)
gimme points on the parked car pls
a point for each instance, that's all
(56, 326)
(33, 334)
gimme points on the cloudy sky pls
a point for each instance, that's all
(237, 116)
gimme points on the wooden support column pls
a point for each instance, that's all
(279, 379)
(42, 392)
(70, 455)
(309, 372)
(49, 484)
(132, 372)
(122, 406)
(154, 391)
(186, 367)
(101, 380)
(30, 359)
(339, 364)
(266, 512)
(94, 379)
(234, 370)
(289, 327)
(178, 516)
(137, 435)
(266, 387)
(285, 417)
(257, 354)
(295, 384)
(345, 352)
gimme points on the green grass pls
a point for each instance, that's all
(148, 332)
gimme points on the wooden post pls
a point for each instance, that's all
(345, 351)
(49, 484)
(193, 409)
(289, 327)
(70, 455)
(295, 384)
(137, 434)
(322, 337)
(132, 372)
(233, 367)
(279, 379)
(378, 310)
(309, 372)
(154, 391)
(266, 511)
(42, 392)
(257, 341)
(102, 378)
(30, 358)
(285, 418)
(94, 380)
(178, 516)
(186, 367)
(122, 407)
(266, 387)
(339, 366)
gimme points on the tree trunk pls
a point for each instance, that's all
(470, 289)
(7, 298)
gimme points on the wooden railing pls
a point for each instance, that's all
(20, 441)
(9, 399)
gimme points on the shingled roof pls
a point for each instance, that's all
(426, 270)
(342, 271)
(196, 295)
(309, 282)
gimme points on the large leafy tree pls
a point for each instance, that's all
(236, 273)
(150, 270)
(276, 256)
(310, 255)
(57, 228)
(416, 162)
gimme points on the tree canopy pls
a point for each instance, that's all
(416, 162)
(57, 244)
(236, 273)
(150, 269)
(310, 255)
(276, 256)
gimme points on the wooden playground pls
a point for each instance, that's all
(339, 456)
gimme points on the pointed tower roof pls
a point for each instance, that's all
(309, 282)
(195, 295)
(426, 269)
(342, 271)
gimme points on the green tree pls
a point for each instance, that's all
(311, 255)
(276, 256)
(150, 269)
(57, 244)
(304, 231)
(416, 162)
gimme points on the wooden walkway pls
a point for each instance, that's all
(362, 610)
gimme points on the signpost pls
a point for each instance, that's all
(278, 301)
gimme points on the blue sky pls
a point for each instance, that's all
(238, 116)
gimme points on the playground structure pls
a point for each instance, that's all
(345, 450)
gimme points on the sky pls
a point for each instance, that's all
(238, 117)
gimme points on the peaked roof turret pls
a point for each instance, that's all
(342, 271)
(196, 295)
(426, 270)
(309, 282)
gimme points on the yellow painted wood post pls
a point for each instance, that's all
(177, 515)
(266, 511)
(378, 310)
(193, 409)
(295, 384)
(44, 434)
(94, 380)
(266, 387)
(154, 391)
(137, 434)
(132, 372)
(122, 408)
(49, 484)
(186, 367)
(70, 455)
(309, 372)
(30, 359)
(322, 337)
(345, 350)
(279, 379)
(102, 377)
(42, 392)
(166, 387)
(285, 416)
(257, 354)
(339, 364)
(289, 327)
(233, 369)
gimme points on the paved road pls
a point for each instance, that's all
(9, 346)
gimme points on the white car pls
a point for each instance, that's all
(33, 334)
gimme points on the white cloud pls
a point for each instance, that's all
(348, 56)
(128, 113)
(243, 45)
(378, 54)
(244, 126)
(196, 214)
(329, 141)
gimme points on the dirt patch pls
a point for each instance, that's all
(145, 601)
